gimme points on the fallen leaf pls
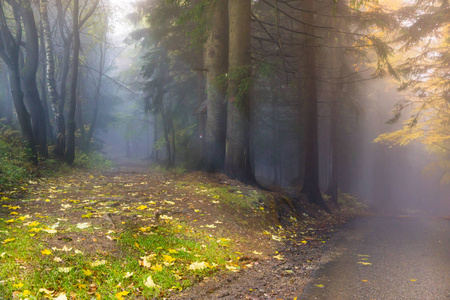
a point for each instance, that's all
(87, 272)
(142, 207)
(46, 252)
(8, 240)
(320, 286)
(61, 296)
(45, 291)
(157, 268)
(17, 285)
(83, 225)
(276, 238)
(364, 263)
(168, 258)
(65, 269)
(128, 275)
(279, 257)
(149, 283)
(120, 295)
(198, 266)
(98, 263)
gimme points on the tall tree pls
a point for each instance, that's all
(311, 179)
(31, 92)
(70, 150)
(216, 64)
(9, 51)
(237, 157)
(58, 114)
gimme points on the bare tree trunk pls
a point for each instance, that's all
(9, 52)
(237, 158)
(311, 178)
(31, 92)
(216, 63)
(70, 151)
(98, 87)
(43, 84)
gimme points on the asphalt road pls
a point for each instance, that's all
(386, 258)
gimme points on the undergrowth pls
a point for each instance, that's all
(16, 169)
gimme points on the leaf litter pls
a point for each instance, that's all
(116, 202)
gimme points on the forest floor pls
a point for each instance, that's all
(136, 233)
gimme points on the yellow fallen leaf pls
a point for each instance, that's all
(413, 279)
(320, 286)
(120, 295)
(13, 213)
(157, 268)
(279, 257)
(8, 240)
(46, 252)
(26, 293)
(33, 224)
(168, 258)
(364, 263)
(142, 207)
(9, 221)
(257, 253)
(364, 280)
(173, 251)
(18, 285)
(304, 242)
(87, 272)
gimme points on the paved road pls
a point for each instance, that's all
(386, 258)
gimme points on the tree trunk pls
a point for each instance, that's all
(56, 103)
(216, 63)
(9, 52)
(43, 84)
(97, 95)
(31, 92)
(311, 178)
(70, 151)
(237, 157)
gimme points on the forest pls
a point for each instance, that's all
(322, 103)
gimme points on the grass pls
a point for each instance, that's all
(246, 201)
(150, 262)
(16, 169)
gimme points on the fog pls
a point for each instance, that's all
(391, 179)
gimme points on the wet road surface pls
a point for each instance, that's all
(386, 258)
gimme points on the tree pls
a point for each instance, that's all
(425, 74)
(9, 51)
(58, 113)
(29, 71)
(311, 179)
(216, 64)
(237, 157)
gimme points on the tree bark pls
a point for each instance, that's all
(70, 151)
(237, 157)
(97, 95)
(216, 63)
(31, 92)
(311, 178)
(56, 103)
(9, 51)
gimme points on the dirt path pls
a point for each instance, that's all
(274, 262)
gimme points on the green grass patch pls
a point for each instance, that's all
(241, 199)
(149, 261)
